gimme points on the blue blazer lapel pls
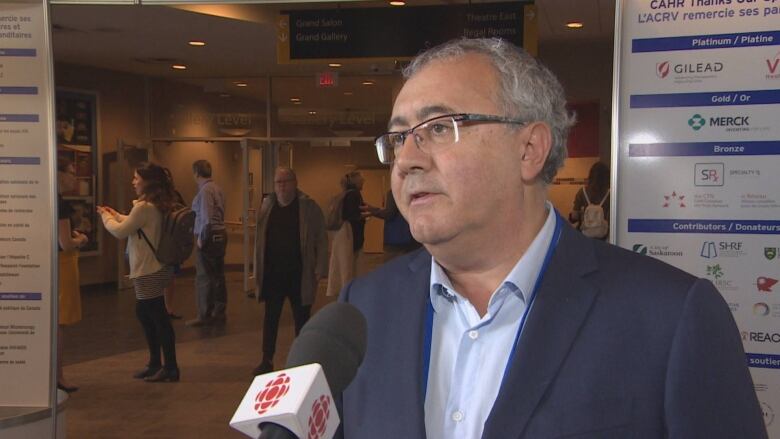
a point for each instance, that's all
(562, 305)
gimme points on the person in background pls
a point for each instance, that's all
(291, 251)
(211, 239)
(398, 239)
(149, 276)
(509, 323)
(68, 286)
(170, 290)
(595, 192)
(348, 240)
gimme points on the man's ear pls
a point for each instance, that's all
(537, 141)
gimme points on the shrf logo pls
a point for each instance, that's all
(709, 174)
(709, 250)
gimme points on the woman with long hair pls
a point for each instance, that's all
(149, 276)
(68, 288)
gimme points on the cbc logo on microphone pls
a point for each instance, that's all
(320, 413)
(273, 392)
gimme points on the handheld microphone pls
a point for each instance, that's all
(297, 402)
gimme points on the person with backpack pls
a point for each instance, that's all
(142, 226)
(291, 256)
(398, 239)
(211, 236)
(590, 214)
(345, 216)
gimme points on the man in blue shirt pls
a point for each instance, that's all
(211, 240)
(509, 323)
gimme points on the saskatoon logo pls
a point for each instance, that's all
(273, 392)
(320, 413)
(640, 248)
(696, 122)
(662, 69)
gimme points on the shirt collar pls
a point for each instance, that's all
(204, 182)
(521, 279)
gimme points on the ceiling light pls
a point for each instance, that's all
(240, 84)
(295, 100)
(397, 3)
(334, 64)
(312, 113)
(224, 95)
(574, 25)
(297, 103)
(368, 82)
(197, 43)
(348, 93)
(179, 67)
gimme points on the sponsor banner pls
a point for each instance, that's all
(20, 296)
(699, 42)
(750, 227)
(18, 118)
(766, 361)
(698, 146)
(706, 99)
(759, 147)
(18, 52)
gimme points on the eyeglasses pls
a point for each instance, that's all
(284, 181)
(432, 134)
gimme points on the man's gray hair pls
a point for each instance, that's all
(528, 90)
(286, 169)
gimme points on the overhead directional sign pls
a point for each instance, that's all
(398, 33)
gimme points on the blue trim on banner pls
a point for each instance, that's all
(17, 52)
(764, 361)
(742, 227)
(18, 90)
(767, 147)
(21, 296)
(706, 99)
(19, 118)
(20, 160)
(698, 42)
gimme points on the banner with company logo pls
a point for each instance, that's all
(698, 148)
(26, 200)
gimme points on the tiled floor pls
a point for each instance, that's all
(107, 347)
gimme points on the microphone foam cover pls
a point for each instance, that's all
(335, 337)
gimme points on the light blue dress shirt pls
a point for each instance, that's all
(209, 208)
(469, 353)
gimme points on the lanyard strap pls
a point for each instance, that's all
(428, 340)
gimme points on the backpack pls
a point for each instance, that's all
(176, 238)
(334, 218)
(594, 223)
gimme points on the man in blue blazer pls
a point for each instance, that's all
(508, 323)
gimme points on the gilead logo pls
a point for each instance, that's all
(662, 69)
(273, 392)
(320, 413)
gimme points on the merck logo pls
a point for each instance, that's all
(273, 392)
(662, 69)
(320, 413)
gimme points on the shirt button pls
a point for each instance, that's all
(473, 334)
(457, 416)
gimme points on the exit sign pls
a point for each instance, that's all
(327, 79)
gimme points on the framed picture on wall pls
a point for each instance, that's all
(77, 173)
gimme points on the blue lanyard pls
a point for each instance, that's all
(429, 313)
